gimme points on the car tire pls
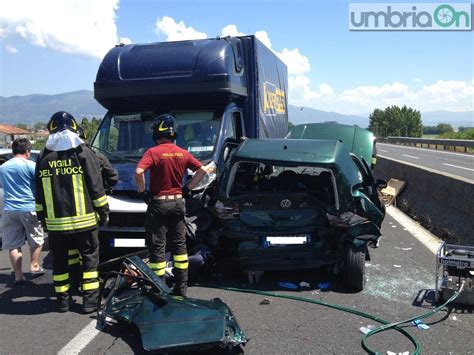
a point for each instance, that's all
(354, 268)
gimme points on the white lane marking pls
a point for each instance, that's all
(410, 156)
(383, 150)
(81, 340)
(459, 167)
(415, 229)
(426, 150)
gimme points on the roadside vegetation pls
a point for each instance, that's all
(445, 130)
(396, 121)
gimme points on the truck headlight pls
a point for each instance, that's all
(209, 178)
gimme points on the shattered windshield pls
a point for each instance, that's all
(256, 178)
(126, 137)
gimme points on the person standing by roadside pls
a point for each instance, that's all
(19, 222)
(71, 202)
(165, 214)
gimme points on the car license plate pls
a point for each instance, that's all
(129, 242)
(297, 239)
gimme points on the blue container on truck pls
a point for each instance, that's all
(218, 89)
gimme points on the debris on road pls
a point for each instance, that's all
(390, 193)
(366, 329)
(395, 265)
(324, 285)
(304, 284)
(404, 249)
(288, 285)
(136, 295)
(265, 301)
(420, 324)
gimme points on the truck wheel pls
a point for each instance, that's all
(354, 268)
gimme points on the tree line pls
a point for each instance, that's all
(406, 122)
(396, 121)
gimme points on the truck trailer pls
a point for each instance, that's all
(219, 90)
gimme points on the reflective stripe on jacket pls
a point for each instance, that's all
(69, 191)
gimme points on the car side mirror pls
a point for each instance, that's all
(381, 183)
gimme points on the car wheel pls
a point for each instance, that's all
(354, 268)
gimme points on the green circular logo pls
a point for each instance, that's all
(444, 15)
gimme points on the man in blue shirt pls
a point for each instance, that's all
(19, 222)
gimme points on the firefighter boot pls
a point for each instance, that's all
(64, 300)
(181, 282)
(89, 300)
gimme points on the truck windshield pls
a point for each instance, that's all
(125, 137)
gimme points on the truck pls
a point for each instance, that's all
(219, 90)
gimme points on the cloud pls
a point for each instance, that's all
(231, 30)
(450, 95)
(301, 92)
(441, 95)
(295, 61)
(125, 40)
(11, 49)
(370, 94)
(264, 38)
(176, 31)
(85, 27)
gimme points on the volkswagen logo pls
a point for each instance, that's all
(285, 203)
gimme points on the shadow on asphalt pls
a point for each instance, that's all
(319, 280)
(35, 296)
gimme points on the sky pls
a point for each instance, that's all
(56, 46)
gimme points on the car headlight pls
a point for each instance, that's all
(209, 178)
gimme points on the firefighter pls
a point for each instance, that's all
(110, 179)
(165, 214)
(71, 202)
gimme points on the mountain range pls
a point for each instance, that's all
(30, 109)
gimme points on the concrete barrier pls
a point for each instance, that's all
(441, 202)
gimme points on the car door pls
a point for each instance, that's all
(367, 193)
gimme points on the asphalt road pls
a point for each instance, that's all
(458, 164)
(400, 274)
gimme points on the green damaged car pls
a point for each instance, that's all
(297, 203)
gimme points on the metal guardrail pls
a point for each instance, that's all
(463, 143)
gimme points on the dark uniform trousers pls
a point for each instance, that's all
(87, 243)
(165, 218)
(75, 270)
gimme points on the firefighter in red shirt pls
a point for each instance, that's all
(165, 214)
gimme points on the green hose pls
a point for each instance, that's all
(386, 325)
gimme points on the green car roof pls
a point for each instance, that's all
(292, 150)
(358, 140)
